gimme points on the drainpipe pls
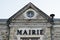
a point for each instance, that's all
(52, 23)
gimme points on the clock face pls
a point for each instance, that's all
(30, 14)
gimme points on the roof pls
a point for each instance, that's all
(3, 20)
(56, 19)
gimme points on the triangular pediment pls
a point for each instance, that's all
(21, 14)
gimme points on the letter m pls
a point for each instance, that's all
(19, 32)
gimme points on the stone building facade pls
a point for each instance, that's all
(29, 23)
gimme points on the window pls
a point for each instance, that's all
(30, 14)
(30, 38)
(34, 39)
(24, 39)
(41, 32)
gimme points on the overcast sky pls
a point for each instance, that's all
(10, 7)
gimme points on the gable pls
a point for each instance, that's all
(22, 14)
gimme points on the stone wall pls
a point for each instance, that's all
(3, 31)
(14, 26)
(57, 33)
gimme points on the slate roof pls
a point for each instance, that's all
(56, 19)
(3, 20)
